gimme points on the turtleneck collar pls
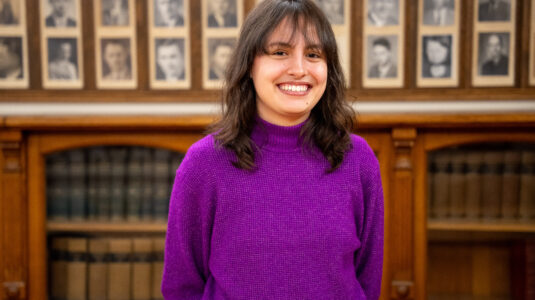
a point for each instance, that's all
(276, 137)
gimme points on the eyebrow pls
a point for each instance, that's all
(287, 45)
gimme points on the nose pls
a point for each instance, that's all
(296, 66)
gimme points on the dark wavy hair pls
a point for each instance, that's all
(331, 120)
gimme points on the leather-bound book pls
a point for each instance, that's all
(441, 184)
(119, 268)
(474, 162)
(104, 183)
(147, 185)
(161, 184)
(523, 270)
(58, 268)
(511, 185)
(134, 184)
(457, 184)
(526, 209)
(97, 268)
(141, 269)
(118, 183)
(492, 184)
(76, 271)
(157, 267)
(77, 185)
(57, 190)
(92, 183)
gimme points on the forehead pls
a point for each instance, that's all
(289, 32)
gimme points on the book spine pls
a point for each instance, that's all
(141, 269)
(511, 185)
(57, 187)
(526, 209)
(119, 269)
(77, 188)
(97, 265)
(104, 185)
(58, 269)
(457, 184)
(92, 184)
(76, 272)
(492, 184)
(134, 184)
(161, 184)
(441, 185)
(157, 267)
(147, 188)
(118, 174)
(472, 197)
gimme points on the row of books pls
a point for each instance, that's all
(106, 268)
(110, 183)
(496, 184)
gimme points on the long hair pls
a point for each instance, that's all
(330, 121)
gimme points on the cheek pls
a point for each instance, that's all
(319, 72)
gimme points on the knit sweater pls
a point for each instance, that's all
(287, 230)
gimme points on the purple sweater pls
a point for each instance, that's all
(288, 230)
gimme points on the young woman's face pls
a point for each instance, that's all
(290, 79)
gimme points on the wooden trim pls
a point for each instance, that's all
(100, 227)
(480, 226)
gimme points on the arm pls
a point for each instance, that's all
(369, 258)
(188, 233)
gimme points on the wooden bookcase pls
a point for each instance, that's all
(401, 143)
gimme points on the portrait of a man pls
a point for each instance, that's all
(439, 12)
(333, 9)
(383, 12)
(9, 12)
(115, 12)
(11, 58)
(62, 59)
(222, 13)
(116, 59)
(381, 58)
(61, 13)
(494, 10)
(169, 59)
(493, 52)
(220, 53)
(436, 56)
(168, 13)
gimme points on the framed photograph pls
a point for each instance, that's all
(60, 13)
(334, 10)
(116, 63)
(168, 13)
(63, 64)
(494, 10)
(438, 12)
(532, 48)
(10, 12)
(222, 13)
(114, 13)
(493, 54)
(382, 61)
(217, 56)
(13, 66)
(380, 13)
(169, 67)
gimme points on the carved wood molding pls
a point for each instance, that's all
(403, 139)
(10, 145)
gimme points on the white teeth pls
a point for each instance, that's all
(293, 88)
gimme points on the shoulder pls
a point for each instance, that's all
(204, 157)
(363, 156)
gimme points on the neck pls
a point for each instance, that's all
(277, 138)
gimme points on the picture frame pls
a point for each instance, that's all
(60, 15)
(12, 13)
(114, 13)
(169, 45)
(216, 56)
(14, 69)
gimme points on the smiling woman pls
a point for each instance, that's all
(281, 200)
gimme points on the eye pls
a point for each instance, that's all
(278, 53)
(314, 55)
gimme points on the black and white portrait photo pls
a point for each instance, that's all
(494, 10)
(61, 13)
(9, 12)
(333, 9)
(116, 59)
(222, 13)
(170, 59)
(382, 56)
(437, 60)
(220, 52)
(493, 54)
(115, 13)
(11, 58)
(62, 59)
(439, 12)
(383, 12)
(168, 13)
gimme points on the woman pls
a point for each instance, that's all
(280, 201)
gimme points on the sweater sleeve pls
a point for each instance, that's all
(369, 258)
(189, 229)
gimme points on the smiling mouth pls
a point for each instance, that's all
(294, 89)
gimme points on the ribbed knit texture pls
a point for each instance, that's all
(287, 230)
